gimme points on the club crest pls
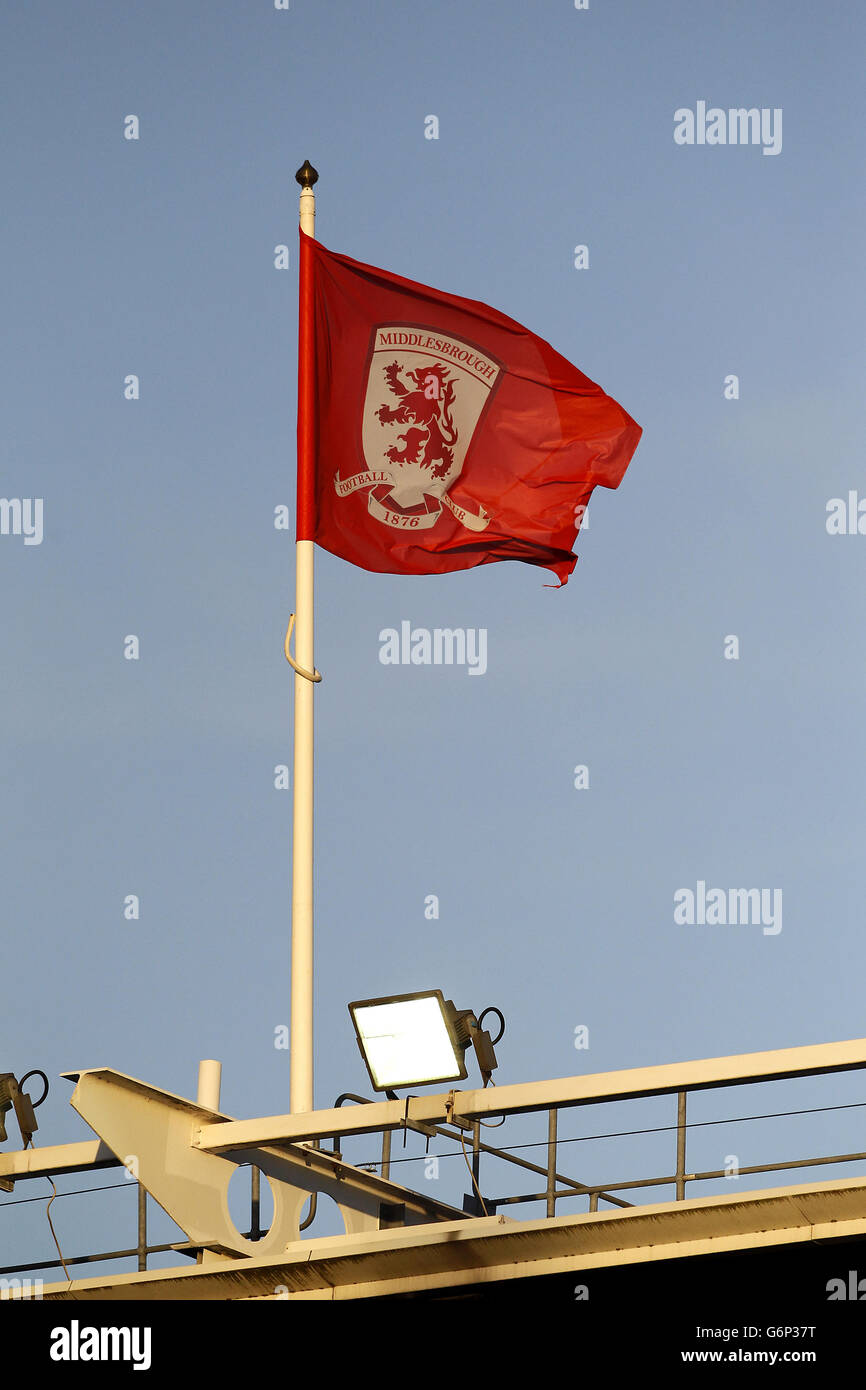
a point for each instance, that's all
(426, 392)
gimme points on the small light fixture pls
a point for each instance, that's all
(14, 1097)
(420, 1039)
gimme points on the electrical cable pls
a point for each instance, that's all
(53, 1232)
(50, 1199)
(75, 1192)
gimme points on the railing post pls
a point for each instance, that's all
(551, 1161)
(681, 1145)
(142, 1227)
(386, 1153)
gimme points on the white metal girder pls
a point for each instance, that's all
(495, 1249)
(536, 1095)
(82, 1157)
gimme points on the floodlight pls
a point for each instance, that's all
(13, 1096)
(418, 1039)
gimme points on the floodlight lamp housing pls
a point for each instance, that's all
(411, 1039)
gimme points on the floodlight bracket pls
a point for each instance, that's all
(484, 1053)
(468, 1032)
(462, 1022)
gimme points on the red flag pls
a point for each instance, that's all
(435, 433)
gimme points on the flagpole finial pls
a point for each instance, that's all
(307, 175)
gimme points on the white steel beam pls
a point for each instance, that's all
(536, 1095)
(57, 1158)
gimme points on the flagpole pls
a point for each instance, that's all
(301, 1054)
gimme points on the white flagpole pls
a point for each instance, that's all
(301, 1055)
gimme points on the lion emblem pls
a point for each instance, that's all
(426, 408)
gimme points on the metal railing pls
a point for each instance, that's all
(558, 1186)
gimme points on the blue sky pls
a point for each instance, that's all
(155, 777)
